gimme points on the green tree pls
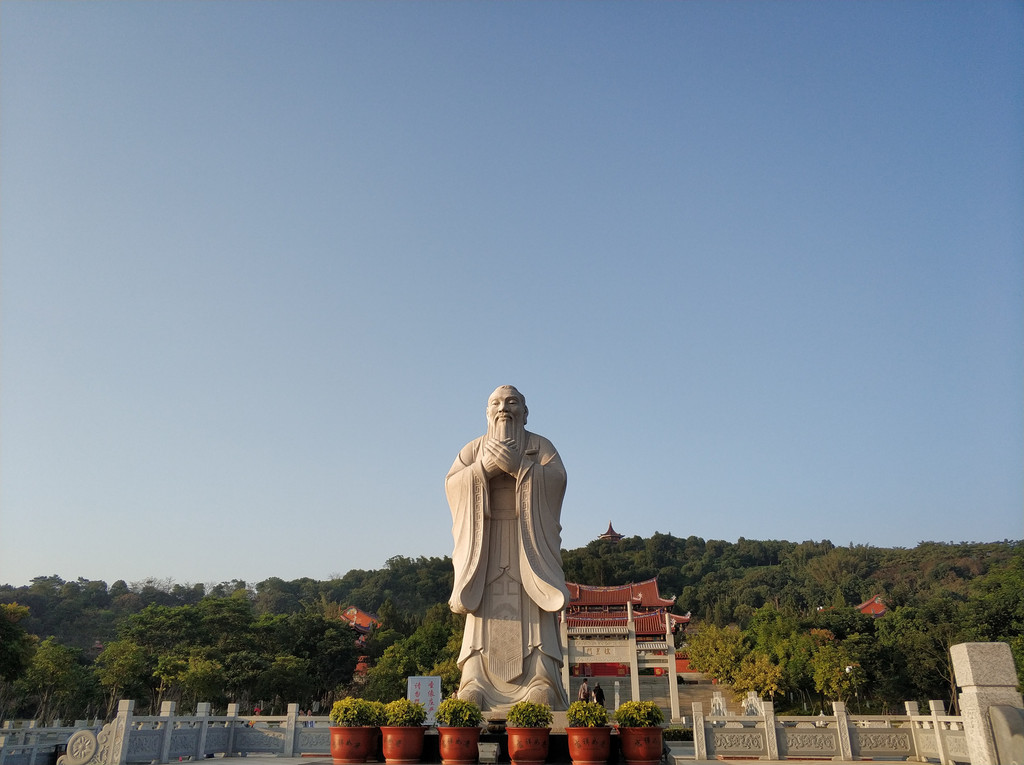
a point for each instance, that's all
(995, 610)
(286, 679)
(918, 639)
(836, 675)
(169, 672)
(121, 669)
(717, 651)
(203, 678)
(242, 673)
(757, 673)
(16, 644)
(429, 650)
(56, 682)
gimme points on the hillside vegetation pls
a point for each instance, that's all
(773, 616)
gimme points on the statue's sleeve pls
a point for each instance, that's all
(539, 491)
(466, 488)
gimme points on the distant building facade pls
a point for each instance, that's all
(619, 631)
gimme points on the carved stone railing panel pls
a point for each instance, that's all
(882, 742)
(808, 742)
(184, 742)
(145, 744)
(956, 746)
(738, 742)
(259, 740)
(216, 740)
(314, 740)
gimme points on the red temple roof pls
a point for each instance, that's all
(360, 620)
(611, 534)
(873, 607)
(644, 594)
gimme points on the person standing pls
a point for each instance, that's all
(584, 692)
(599, 694)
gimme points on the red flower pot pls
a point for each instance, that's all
(459, 746)
(528, 746)
(640, 746)
(352, 745)
(402, 744)
(589, 746)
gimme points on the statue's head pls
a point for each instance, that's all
(506, 403)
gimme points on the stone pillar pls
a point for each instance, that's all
(916, 729)
(700, 742)
(563, 637)
(291, 725)
(843, 730)
(121, 731)
(938, 709)
(634, 666)
(673, 680)
(203, 710)
(232, 724)
(167, 710)
(986, 676)
(770, 732)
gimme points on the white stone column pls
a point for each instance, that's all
(938, 709)
(291, 725)
(986, 676)
(670, 669)
(771, 734)
(121, 731)
(167, 710)
(203, 710)
(232, 716)
(634, 666)
(700, 742)
(843, 729)
(563, 637)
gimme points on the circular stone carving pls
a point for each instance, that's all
(81, 747)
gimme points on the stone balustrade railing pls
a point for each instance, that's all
(839, 736)
(984, 671)
(28, 744)
(167, 737)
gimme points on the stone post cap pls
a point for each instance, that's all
(983, 664)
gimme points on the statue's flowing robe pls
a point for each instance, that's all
(508, 574)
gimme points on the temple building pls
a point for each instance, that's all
(873, 607)
(621, 631)
(361, 622)
(611, 535)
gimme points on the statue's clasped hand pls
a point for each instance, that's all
(502, 456)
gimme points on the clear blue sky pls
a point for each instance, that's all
(756, 266)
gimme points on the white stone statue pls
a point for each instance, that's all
(505, 491)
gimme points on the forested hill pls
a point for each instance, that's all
(773, 617)
(725, 582)
(717, 581)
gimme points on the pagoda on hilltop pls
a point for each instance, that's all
(611, 535)
(619, 631)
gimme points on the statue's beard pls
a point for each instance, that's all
(507, 428)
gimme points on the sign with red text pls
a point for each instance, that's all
(426, 691)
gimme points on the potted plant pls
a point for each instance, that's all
(353, 730)
(640, 732)
(402, 731)
(588, 733)
(458, 731)
(528, 726)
